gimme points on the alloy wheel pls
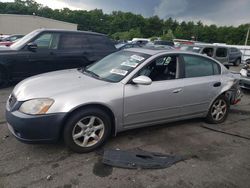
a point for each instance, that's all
(88, 131)
(219, 110)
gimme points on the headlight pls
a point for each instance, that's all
(243, 72)
(36, 106)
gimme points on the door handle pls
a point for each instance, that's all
(177, 90)
(217, 84)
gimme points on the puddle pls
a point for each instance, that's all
(101, 169)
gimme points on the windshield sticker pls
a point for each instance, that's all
(137, 57)
(119, 72)
(129, 64)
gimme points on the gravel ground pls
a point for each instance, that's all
(214, 159)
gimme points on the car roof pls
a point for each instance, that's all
(153, 52)
(149, 51)
(70, 31)
(209, 45)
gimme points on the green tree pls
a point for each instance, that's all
(169, 36)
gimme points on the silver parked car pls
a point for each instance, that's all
(128, 89)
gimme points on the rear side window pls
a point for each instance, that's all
(196, 66)
(234, 50)
(221, 52)
(73, 41)
(100, 42)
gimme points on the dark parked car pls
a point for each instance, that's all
(226, 55)
(46, 50)
(164, 42)
(235, 56)
(127, 45)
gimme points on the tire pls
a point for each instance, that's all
(237, 62)
(219, 106)
(91, 127)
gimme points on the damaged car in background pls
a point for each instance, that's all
(128, 89)
(245, 76)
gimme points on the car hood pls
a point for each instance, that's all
(55, 83)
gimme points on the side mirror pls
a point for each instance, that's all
(142, 80)
(32, 46)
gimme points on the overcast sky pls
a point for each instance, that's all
(220, 12)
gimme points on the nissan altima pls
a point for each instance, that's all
(128, 89)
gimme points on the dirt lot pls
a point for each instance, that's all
(215, 159)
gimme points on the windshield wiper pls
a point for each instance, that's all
(90, 73)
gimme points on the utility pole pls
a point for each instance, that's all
(247, 36)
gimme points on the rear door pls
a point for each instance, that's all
(201, 83)
(31, 62)
(72, 50)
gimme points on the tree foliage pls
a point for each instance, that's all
(126, 25)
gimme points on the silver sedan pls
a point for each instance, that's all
(125, 90)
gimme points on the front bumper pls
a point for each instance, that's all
(35, 128)
(245, 82)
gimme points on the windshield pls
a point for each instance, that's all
(116, 66)
(20, 43)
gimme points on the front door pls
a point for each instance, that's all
(157, 102)
(31, 62)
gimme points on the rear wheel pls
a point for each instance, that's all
(87, 130)
(237, 62)
(218, 111)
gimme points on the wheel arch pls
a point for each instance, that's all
(92, 105)
(226, 92)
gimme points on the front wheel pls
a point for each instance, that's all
(218, 111)
(87, 130)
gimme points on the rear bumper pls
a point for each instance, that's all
(35, 129)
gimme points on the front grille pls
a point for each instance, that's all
(12, 100)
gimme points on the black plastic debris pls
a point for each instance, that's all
(139, 159)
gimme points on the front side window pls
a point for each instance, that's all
(196, 66)
(163, 68)
(116, 66)
(208, 51)
(47, 41)
(221, 52)
(234, 50)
